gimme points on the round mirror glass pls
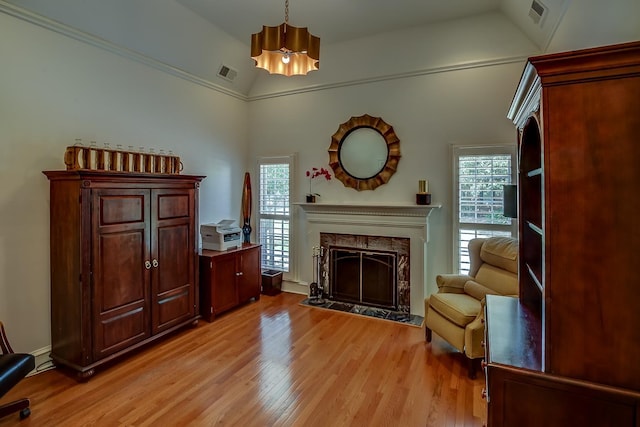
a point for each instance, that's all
(363, 153)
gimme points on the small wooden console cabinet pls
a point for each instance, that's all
(567, 351)
(228, 279)
(123, 262)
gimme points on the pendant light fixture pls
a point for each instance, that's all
(285, 49)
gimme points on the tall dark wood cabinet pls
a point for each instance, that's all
(566, 352)
(123, 262)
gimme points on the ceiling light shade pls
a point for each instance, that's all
(271, 47)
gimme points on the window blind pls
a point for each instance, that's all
(481, 173)
(274, 214)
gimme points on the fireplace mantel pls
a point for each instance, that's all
(369, 209)
(367, 219)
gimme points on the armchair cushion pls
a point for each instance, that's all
(501, 281)
(460, 309)
(451, 282)
(501, 252)
(477, 290)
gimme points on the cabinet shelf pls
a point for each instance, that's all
(535, 228)
(514, 333)
(534, 172)
(535, 276)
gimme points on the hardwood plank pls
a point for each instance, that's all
(270, 363)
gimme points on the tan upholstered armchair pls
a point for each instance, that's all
(456, 311)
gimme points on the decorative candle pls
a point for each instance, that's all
(423, 186)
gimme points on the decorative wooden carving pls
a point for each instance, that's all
(77, 157)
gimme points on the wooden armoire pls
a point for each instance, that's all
(123, 262)
(567, 352)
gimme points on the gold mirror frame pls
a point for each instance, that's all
(393, 155)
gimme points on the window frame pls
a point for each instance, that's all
(291, 161)
(469, 150)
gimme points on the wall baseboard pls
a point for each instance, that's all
(295, 287)
(43, 361)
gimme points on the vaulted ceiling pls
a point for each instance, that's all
(358, 37)
(335, 20)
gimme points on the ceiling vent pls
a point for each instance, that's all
(227, 73)
(538, 12)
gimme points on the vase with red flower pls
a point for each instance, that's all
(312, 174)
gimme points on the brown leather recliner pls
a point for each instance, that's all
(456, 311)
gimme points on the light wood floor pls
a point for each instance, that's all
(269, 363)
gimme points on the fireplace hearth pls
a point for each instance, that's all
(375, 312)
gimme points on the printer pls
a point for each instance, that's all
(221, 235)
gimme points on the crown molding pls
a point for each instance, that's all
(527, 97)
(66, 30)
(408, 74)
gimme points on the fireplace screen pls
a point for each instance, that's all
(365, 277)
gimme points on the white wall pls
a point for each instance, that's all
(444, 84)
(444, 93)
(591, 23)
(541, 32)
(54, 89)
(162, 29)
(428, 113)
(472, 40)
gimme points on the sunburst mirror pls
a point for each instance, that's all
(364, 152)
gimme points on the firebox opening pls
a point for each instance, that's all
(365, 277)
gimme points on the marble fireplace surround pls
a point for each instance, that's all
(397, 245)
(375, 220)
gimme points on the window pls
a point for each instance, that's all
(274, 210)
(480, 173)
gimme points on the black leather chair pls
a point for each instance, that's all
(13, 368)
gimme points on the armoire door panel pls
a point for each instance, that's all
(174, 306)
(121, 329)
(173, 205)
(120, 279)
(173, 257)
(172, 247)
(124, 281)
(121, 208)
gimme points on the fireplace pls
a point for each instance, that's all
(400, 228)
(367, 270)
(365, 277)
